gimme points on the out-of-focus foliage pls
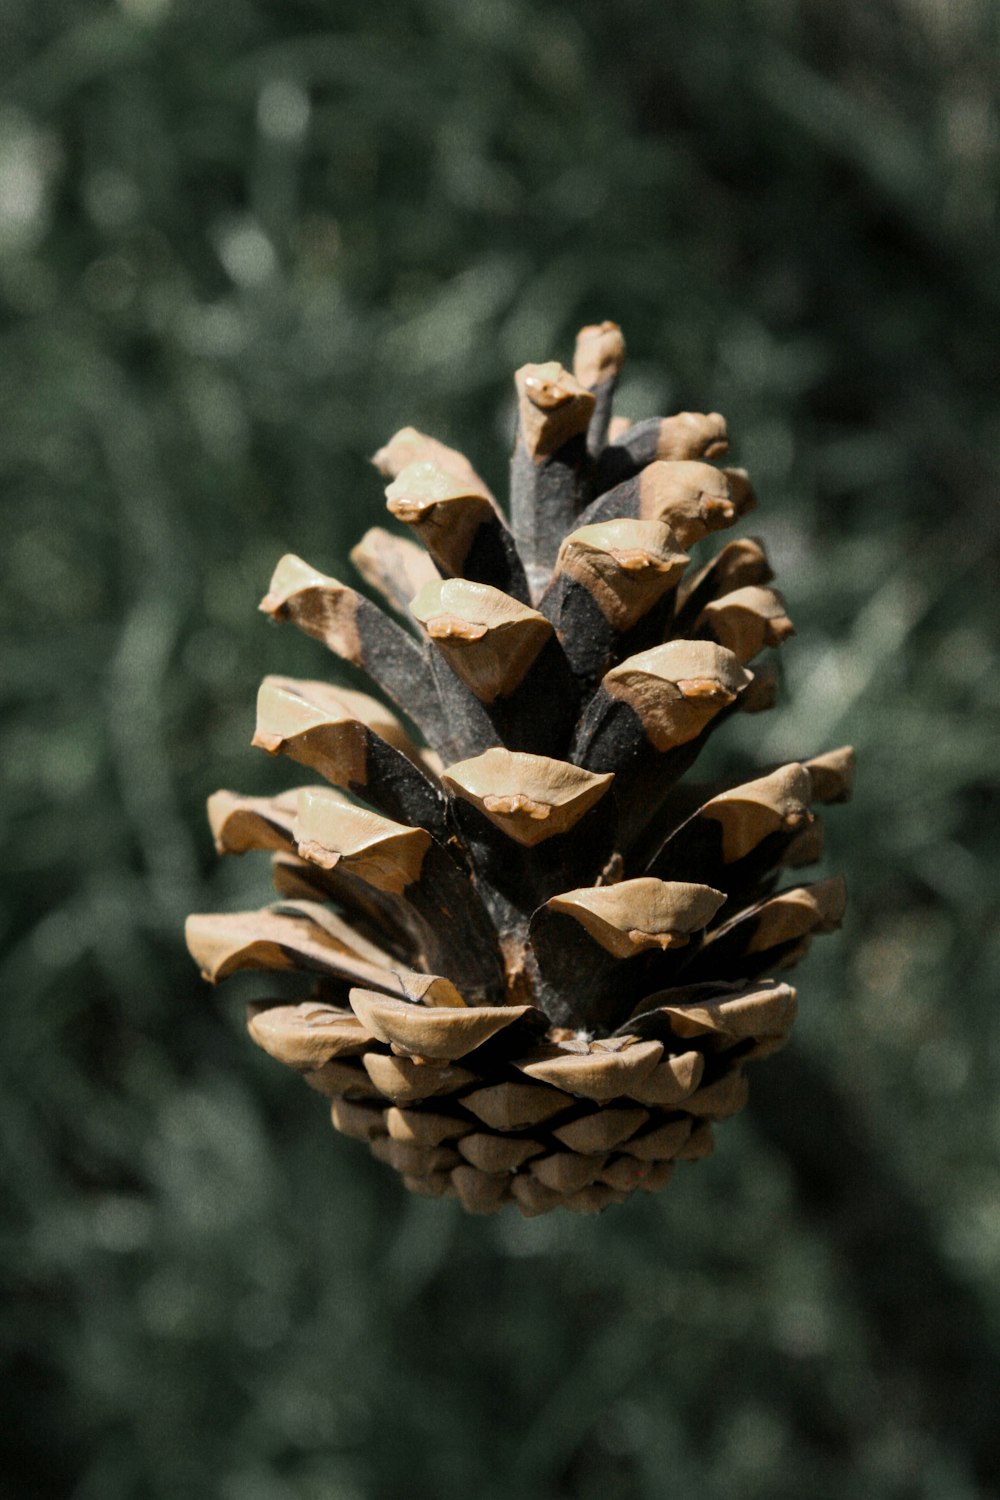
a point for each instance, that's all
(242, 242)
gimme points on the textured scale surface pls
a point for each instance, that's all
(536, 956)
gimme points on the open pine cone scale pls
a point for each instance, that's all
(537, 961)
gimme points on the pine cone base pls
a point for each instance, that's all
(527, 1117)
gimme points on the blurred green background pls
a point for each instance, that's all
(240, 244)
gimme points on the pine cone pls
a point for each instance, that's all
(534, 959)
